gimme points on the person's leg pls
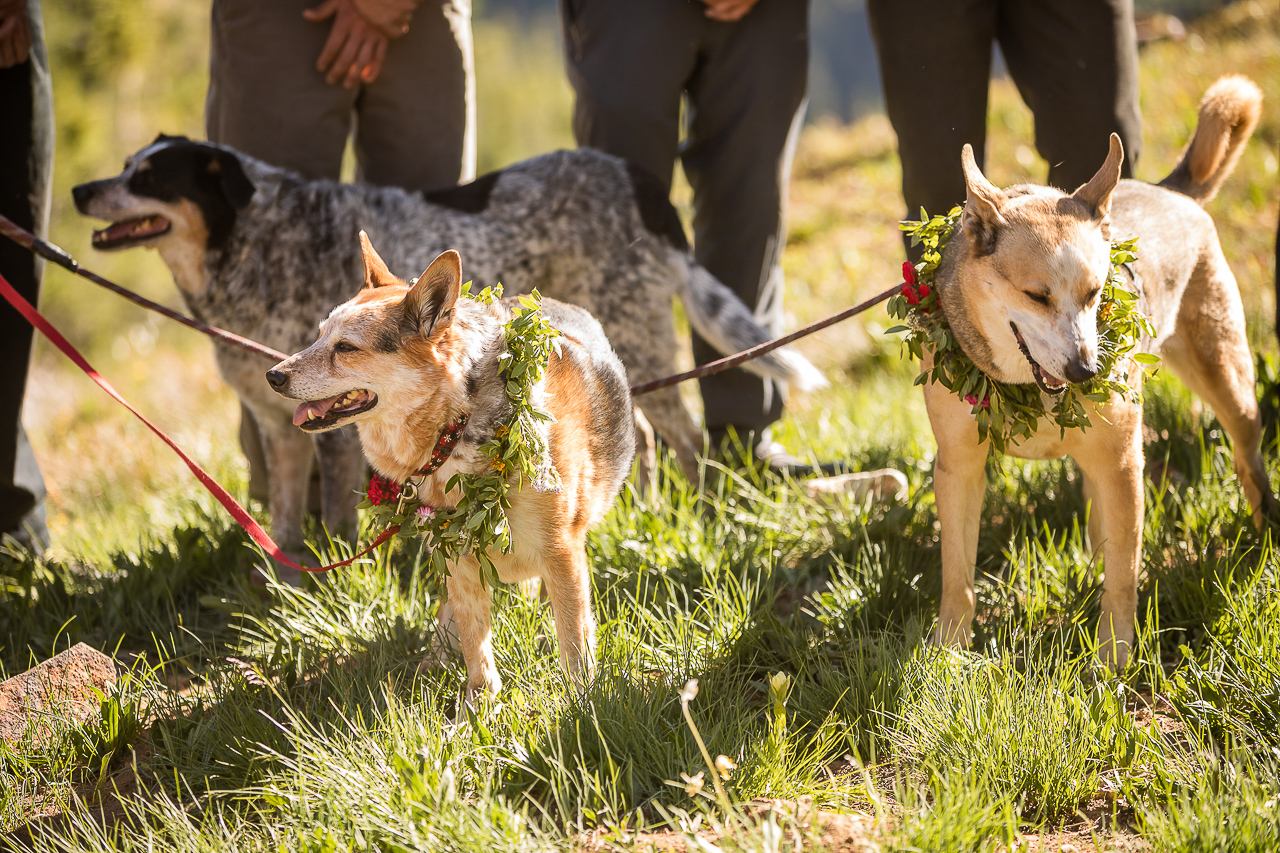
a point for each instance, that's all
(416, 123)
(745, 103)
(26, 162)
(628, 64)
(266, 97)
(935, 67)
(1075, 62)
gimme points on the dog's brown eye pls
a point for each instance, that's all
(1038, 298)
(343, 346)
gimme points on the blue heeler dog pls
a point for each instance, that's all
(266, 254)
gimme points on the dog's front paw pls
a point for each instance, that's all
(1114, 645)
(952, 632)
(476, 694)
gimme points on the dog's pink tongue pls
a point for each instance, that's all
(312, 409)
(303, 413)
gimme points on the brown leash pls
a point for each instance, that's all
(768, 346)
(60, 257)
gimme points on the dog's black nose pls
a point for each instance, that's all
(1079, 370)
(81, 195)
(277, 378)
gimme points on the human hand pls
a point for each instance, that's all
(728, 10)
(354, 50)
(389, 17)
(15, 33)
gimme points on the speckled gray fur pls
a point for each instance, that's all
(566, 223)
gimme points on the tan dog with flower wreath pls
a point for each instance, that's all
(509, 420)
(1036, 323)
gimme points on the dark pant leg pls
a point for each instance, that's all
(745, 102)
(415, 124)
(26, 158)
(935, 67)
(628, 64)
(1075, 63)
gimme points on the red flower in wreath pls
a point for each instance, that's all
(382, 490)
(909, 290)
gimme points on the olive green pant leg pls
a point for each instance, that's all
(414, 126)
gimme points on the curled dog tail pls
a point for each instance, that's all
(1229, 111)
(721, 318)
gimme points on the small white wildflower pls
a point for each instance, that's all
(725, 766)
(693, 784)
(690, 691)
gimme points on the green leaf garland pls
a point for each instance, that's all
(1008, 412)
(518, 453)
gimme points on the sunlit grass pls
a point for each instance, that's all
(328, 718)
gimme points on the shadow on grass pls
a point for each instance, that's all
(147, 602)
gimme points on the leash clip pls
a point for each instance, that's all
(408, 492)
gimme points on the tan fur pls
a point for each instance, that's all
(1229, 112)
(422, 385)
(1034, 259)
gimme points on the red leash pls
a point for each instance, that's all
(53, 253)
(239, 513)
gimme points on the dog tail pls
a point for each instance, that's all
(721, 318)
(1229, 111)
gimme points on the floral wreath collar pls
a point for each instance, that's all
(1005, 411)
(518, 455)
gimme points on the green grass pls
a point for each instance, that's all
(326, 719)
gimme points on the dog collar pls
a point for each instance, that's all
(444, 446)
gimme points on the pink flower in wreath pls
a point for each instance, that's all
(424, 514)
(972, 400)
(381, 490)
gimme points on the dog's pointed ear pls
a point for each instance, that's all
(981, 219)
(376, 273)
(236, 185)
(1097, 193)
(428, 306)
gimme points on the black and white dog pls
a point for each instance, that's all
(266, 254)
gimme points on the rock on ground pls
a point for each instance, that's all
(56, 693)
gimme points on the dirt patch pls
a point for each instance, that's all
(103, 799)
(802, 828)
